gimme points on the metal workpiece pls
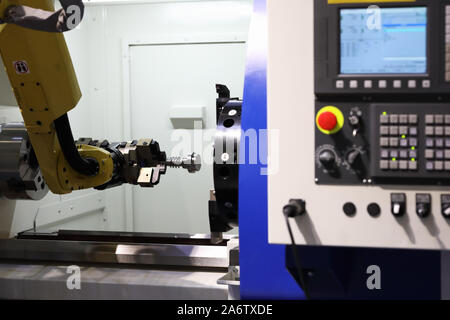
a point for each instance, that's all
(20, 175)
(191, 163)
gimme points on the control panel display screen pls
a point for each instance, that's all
(384, 41)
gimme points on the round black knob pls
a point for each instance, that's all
(349, 209)
(327, 158)
(374, 210)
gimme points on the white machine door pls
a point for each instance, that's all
(172, 84)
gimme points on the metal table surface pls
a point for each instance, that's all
(112, 266)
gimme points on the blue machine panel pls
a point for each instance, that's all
(263, 271)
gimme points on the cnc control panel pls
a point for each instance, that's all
(384, 70)
(384, 143)
(361, 105)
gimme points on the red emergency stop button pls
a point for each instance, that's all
(327, 121)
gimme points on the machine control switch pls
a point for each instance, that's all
(353, 156)
(423, 204)
(398, 204)
(329, 120)
(327, 158)
(355, 120)
(445, 205)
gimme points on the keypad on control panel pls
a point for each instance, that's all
(389, 84)
(398, 142)
(437, 143)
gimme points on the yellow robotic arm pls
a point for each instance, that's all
(43, 79)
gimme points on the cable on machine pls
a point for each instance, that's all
(296, 208)
(88, 167)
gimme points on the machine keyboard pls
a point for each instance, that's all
(437, 142)
(398, 142)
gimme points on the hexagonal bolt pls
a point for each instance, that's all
(191, 163)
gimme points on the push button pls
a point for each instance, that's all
(329, 120)
(393, 118)
(447, 131)
(426, 84)
(403, 143)
(384, 142)
(393, 142)
(429, 119)
(384, 119)
(382, 84)
(393, 165)
(384, 130)
(412, 118)
(412, 142)
(393, 130)
(412, 165)
(403, 165)
(403, 130)
(353, 84)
